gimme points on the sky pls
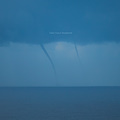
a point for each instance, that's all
(60, 43)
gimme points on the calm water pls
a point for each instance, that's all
(80, 103)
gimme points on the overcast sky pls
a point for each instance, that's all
(60, 43)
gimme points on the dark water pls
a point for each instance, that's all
(80, 103)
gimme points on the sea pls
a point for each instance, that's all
(59, 103)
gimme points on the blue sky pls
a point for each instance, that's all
(90, 26)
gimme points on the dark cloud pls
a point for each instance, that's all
(31, 21)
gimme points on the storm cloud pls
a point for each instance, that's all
(31, 21)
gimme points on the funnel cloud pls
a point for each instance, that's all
(49, 58)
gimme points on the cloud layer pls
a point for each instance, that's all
(30, 21)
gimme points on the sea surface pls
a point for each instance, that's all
(60, 103)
